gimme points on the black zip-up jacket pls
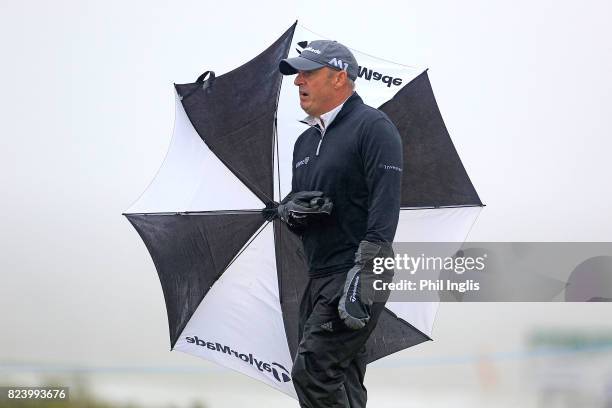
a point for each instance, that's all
(358, 165)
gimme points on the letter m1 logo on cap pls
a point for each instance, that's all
(338, 63)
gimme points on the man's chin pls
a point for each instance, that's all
(305, 108)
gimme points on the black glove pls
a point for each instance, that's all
(299, 209)
(358, 294)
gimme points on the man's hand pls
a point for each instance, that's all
(358, 294)
(298, 209)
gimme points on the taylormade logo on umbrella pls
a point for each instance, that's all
(369, 75)
(279, 372)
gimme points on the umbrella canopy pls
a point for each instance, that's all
(232, 281)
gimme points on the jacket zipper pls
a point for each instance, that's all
(320, 141)
(319, 146)
(321, 132)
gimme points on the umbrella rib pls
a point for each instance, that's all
(277, 156)
(245, 247)
(275, 138)
(250, 185)
(472, 226)
(211, 212)
(437, 207)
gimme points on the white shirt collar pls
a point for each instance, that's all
(325, 119)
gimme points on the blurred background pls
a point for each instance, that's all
(87, 113)
(484, 355)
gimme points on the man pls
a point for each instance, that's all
(345, 203)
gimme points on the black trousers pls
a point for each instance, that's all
(330, 363)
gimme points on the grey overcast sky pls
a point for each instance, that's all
(87, 114)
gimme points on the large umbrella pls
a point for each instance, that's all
(232, 281)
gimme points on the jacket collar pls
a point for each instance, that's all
(347, 106)
(326, 119)
(351, 103)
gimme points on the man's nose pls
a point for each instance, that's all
(299, 79)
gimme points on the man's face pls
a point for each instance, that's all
(317, 93)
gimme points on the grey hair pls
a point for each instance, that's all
(351, 83)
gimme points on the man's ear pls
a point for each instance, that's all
(340, 79)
